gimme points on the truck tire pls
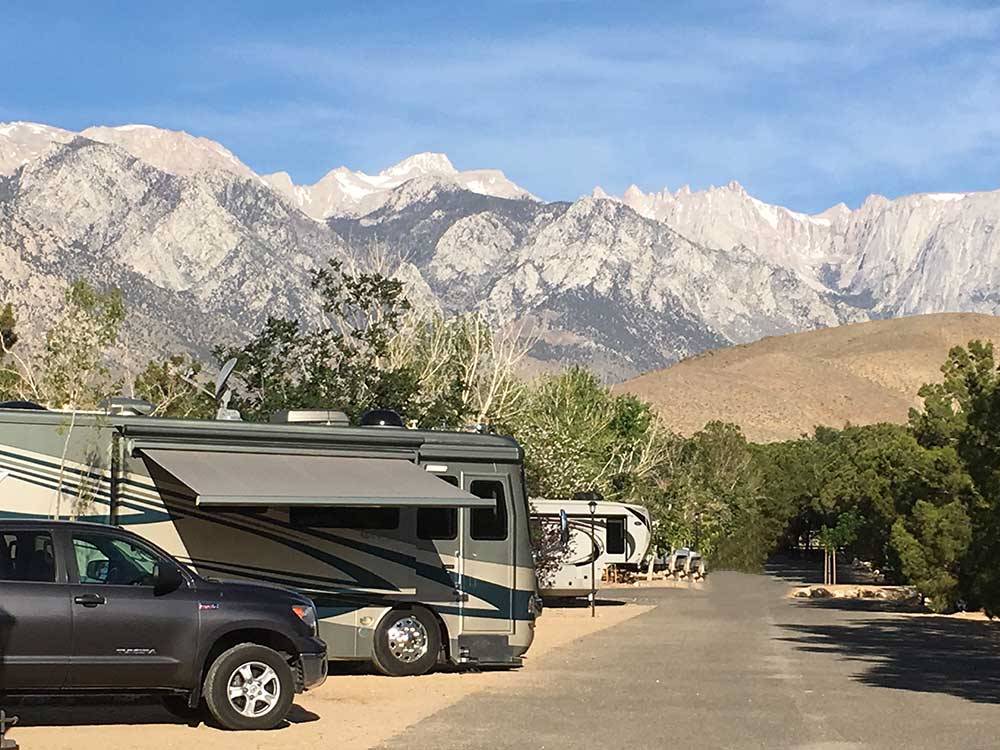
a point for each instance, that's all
(407, 642)
(249, 687)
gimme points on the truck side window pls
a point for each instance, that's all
(27, 556)
(489, 524)
(102, 559)
(365, 519)
(616, 535)
(438, 523)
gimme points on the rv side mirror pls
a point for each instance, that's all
(168, 579)
(563, 528)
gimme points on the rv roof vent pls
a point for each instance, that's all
(27, 405)
(311, 416)
(127, 407)
(381, 418)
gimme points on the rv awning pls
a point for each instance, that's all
(228, 479)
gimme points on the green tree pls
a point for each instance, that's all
(75, 372)
(169, 385)
(930, 544)
(578, 436)
(713, 499)
(9, 374)
(345, 362)
(969, 374)
(962, 414)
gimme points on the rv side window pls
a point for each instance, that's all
(438, 523)
(368, 519)
(616, 536)
(27, 556)
(489, 523)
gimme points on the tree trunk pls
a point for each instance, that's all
(833, 564)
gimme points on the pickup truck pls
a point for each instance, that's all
(90, 608)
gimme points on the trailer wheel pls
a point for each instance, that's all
(407, 642)
(249, 687)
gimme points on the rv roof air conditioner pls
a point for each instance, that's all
(381, 418)
(326, 417)
(120, 406)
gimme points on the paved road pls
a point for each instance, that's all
(736, 665)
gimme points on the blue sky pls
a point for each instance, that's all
(805, 103)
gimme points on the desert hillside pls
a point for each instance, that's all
(781, 387)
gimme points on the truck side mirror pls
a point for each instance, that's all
(168, 580)
(563, 528)
(97, 570)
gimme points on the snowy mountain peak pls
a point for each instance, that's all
(20, 142)
(173, 151)
(421, 164)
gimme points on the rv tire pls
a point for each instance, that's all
(407, 642)
(269, 691)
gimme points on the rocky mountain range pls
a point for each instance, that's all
(204, 248)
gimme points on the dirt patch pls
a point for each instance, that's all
(350, 712)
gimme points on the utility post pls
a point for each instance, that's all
(593, 560)
(592, 499)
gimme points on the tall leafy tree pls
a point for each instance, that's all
(170, 386)
(931, 543)
(9, 373)
(75, 368)
(343, 363)
(579, 436)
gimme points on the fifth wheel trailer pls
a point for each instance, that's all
(621, 536)
(414, 544)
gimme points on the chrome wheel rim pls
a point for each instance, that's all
(253, 690)
(408, 640)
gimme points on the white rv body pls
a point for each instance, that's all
(621, 535)
(288, 504)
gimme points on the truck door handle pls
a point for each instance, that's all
(460, 596)
(90, 600)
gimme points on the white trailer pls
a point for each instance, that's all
(618, 534)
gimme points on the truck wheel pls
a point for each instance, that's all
(407, 642)
(249, 687)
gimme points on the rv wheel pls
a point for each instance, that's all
(407, 642)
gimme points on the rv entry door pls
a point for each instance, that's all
(439, 549)
(488, 556)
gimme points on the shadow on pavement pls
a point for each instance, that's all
(578, 603)
(848, 604)
(97, 711)
(806, 568)
(929, 654)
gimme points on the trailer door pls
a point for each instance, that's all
(488, 556)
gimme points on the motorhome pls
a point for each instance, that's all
(617, 534)
(414, 544)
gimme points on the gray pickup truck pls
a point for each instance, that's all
(87, 608)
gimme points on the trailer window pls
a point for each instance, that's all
(27, 556)
(366, 519)
(438, 523)
(616, 536)
(489, 523)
